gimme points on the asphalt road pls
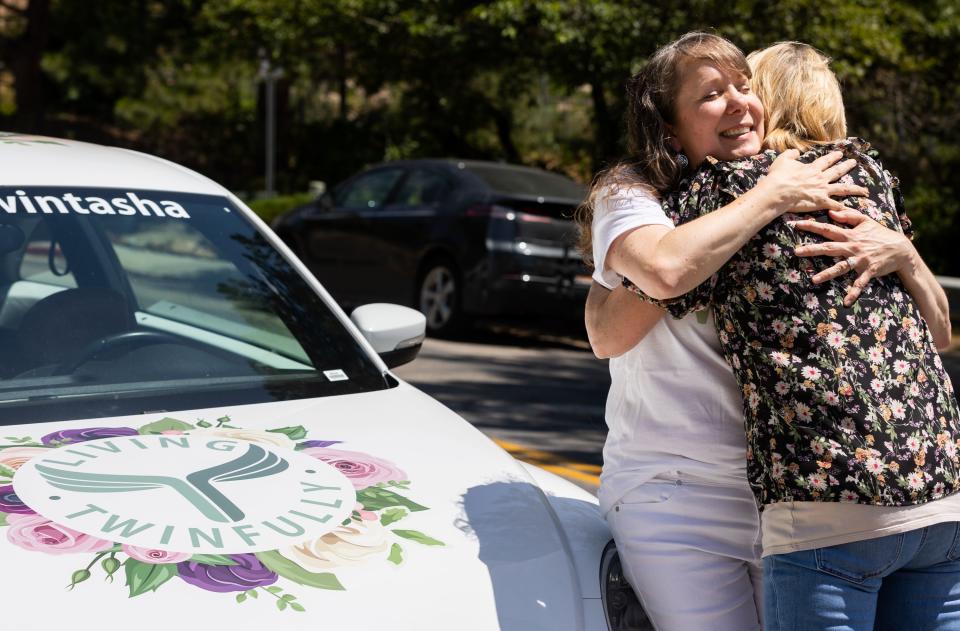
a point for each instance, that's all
(539, 394)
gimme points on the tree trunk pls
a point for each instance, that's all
(605, 129)
(503, 119)
(22, 57)
(342, 79)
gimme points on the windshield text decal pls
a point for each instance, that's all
(68, 203)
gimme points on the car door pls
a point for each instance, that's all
(401, 230)
(337, 241)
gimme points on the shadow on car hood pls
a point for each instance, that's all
(375, 510)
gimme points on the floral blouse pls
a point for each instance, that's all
(840, 404)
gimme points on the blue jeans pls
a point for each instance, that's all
(909, 581)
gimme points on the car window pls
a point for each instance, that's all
(43, 259)
(369, 190)
(513, 180)
(175, 301)
(421, 188)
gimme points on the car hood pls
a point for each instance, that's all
(412, 520)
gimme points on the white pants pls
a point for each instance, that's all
(691, 550)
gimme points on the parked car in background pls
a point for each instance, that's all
(454, 238)
(193, 430)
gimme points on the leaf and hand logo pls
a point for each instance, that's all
(197, 488)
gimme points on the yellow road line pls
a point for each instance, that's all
(580, 471)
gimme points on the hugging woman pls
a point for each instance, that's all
(857, 478)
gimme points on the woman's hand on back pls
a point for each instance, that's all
(873, 249)
(799, 187)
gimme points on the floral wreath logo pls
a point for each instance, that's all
(365, 537)
(197, 489)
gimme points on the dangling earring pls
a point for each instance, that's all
(682, 161)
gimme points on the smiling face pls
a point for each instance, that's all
(716, 114)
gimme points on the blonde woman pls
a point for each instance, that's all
(662, 534)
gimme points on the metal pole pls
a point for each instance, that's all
(271, 129)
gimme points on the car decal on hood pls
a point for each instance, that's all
(219, 507)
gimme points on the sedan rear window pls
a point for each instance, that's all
(117, 302)
(522, 181)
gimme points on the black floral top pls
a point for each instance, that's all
(840, 404)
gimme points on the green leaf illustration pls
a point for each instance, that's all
(281, 604)
(274, 590)
(19, 441)
(293, 433)
(252, 593)
(286, 568)
(3, 519)
(391, 515)
(374, 498)
(147, 577)
(242, 596)
(203, 423)
(419, 537)
(165, 425)
(396, 554)
(297, 607)
(212, 559)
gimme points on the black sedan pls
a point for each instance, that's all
(455, 238)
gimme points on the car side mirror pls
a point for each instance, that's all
(325, 202)
(396, 333)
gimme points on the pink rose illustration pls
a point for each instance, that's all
(37, 533)
(14, 457)
(155, 557)
(361, 469)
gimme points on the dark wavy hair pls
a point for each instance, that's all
(651, 107)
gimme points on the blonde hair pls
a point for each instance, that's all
(801, 96)
(652, 164)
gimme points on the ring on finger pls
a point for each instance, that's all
(851, 261)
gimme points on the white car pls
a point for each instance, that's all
(194, 435)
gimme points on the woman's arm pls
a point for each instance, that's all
(671, 262)
(877, 251)
(665, 263)
(617, 320)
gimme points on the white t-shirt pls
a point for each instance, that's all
(673, 404)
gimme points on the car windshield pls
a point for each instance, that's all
(522, 181)
(125, 301)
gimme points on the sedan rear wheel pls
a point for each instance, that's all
(440, 299)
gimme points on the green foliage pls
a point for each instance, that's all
(270, 208)
(419, 537)
(212, 559)
(296, 432)
(147, 577)
(396, 554)
(538, 82)
(166, 424)
(392, 515)
(375, 498)
(286, 568)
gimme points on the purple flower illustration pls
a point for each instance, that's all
(10, 503)
(317, 443)
(65, 436)
(249, 573)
